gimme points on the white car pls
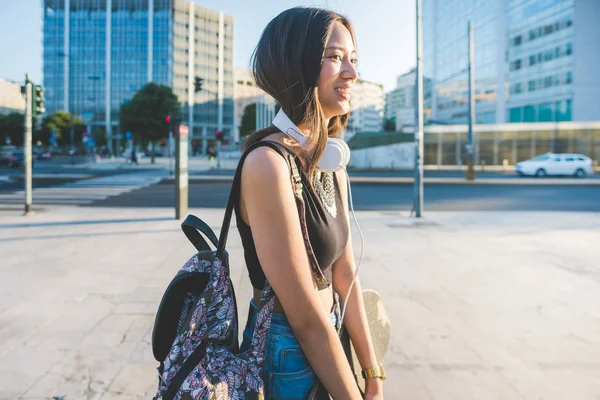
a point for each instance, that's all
(556, 164)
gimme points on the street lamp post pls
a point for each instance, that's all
(418, 143)
(95, 79)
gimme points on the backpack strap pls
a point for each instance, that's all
(191, 226)
(297, 186)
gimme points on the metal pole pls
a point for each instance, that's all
(470, 170)
(219, 154)
(169, 148)
(27, 143)
(72, 142)
(418, 181)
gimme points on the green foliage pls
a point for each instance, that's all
(61, 123)
(248, 123)
(13, 126)
(144, 116)
(389, 125)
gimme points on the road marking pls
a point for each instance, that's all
(84, 191)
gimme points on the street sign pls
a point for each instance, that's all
(181, 173)
(87, 116)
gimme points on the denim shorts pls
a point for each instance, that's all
(287, 373)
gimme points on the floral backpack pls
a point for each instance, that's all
(195, 336)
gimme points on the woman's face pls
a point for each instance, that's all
(338, 72)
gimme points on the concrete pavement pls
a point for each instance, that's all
(483, 305)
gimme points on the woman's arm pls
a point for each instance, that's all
(272, 213)
(355, 318)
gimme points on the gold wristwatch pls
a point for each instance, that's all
(375, 372)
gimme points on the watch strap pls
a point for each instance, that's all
(375, 372)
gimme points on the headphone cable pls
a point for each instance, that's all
(362, 247)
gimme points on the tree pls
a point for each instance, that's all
(12, 126)
(61, 122)
(145, 115)
(389, 125)
(248, 123)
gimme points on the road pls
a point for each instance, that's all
(394, 197)
(144, 188)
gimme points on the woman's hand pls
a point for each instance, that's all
(373, 389)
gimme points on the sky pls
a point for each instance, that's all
(385, 33)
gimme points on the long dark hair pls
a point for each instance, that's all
(286, 64)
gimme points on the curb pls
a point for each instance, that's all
(58, 177)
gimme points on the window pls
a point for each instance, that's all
(532, 86)
(569, 49)
(515, 65)
(543, 157)
(548, 54)
(532, 59)
(518, 40)
(569, 78)
(569, 159)
(548, 29)
(557, 159)
(547, 82)
(518, 88)
(557, 52)
(515, 114)
(532, 34)
(529, 112)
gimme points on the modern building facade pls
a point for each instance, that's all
(11, 98)
(535, 61)
(400, 102)
(368, 103)
(98, 53)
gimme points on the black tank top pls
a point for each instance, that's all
(328, 235)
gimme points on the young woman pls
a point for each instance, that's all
(306, 60)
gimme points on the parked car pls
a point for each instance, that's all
(563, 164)
(6, 153)
(44, 155)
(17, 159)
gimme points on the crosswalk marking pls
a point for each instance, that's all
(85, 191)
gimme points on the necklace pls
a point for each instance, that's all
(326, 191)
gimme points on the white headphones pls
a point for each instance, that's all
(337, 152)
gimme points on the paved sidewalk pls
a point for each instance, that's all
(483, 305)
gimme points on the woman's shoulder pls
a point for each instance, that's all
(264, 165)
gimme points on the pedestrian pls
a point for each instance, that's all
(134, 156)
(211, 156)
(306, 60)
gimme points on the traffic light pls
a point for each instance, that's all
(38, 100)
(198, 84)
(168, 118)
(219, 135)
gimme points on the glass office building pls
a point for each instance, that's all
(527, 67)
(98, 53)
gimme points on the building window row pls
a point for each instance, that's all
(542, 31)
(543, 83)
(544, 112)
(543, 56)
